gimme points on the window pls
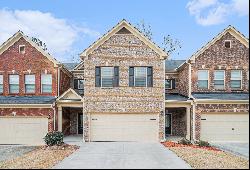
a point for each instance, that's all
(79, 84)
(170, 84)
(13, 84)
(30, 84)
(219, 79)
(107, 76)
(46, 83)
(203, 79)
(22, 49)
(236, 79)
(1, 84)
(140, 76)
(228, 44)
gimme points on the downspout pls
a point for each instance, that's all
(189, 80)
(164, 104)
(58, 83)
(54, 111)
(194, 120)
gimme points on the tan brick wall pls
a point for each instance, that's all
(124, 50)
(177, 81)
(228, 59)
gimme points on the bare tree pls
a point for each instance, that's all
(169, 44)
(39, 43)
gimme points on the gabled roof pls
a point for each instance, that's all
(70, 94)
(17, 37)
(172, 65)
(133, 30)
(230, 29)
(70, 66)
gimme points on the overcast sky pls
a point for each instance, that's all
(70, 26)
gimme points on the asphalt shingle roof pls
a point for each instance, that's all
(70, 66)
(177, 97)
(222, 96)
(171, 65)
(27, 99)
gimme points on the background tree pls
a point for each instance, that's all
(39, 43)
(169, 44)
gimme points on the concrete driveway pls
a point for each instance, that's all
(240, 149)
(11, 152)
(123, 156)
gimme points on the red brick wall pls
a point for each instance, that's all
(176, 77)
(184, 81)
(30, 112)
(217, 55)
(216, 108)
(32, 60)
(65, 82)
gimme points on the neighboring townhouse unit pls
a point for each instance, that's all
(30, 81)
(125, 89)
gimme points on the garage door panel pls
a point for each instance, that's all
(222, 127)
(124, 127)
(28, 131)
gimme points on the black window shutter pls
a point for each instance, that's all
(116, 77)
(131, 77)
(150, 77)
(173, 84)
(98, 76)
(75, 83)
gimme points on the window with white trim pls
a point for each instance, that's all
(22, 49)
(30, 83)
(1, 84)
(168, 84)
(107, 76)
(228, 44)
(203, 82)
(13, 84)
(219, 79)
(236, 79)
(140, 76)
(46, 83)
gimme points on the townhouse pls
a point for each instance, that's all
(125, 89)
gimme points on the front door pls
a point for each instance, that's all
(80, 123)
(168, 124)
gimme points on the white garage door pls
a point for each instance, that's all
(225, 127)
(124, 127)
(29, 131)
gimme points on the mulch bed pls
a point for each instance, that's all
(177, 145)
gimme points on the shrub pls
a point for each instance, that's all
(184, 141)
(54, 138)
(203, 144)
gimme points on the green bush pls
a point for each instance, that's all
(184, 141)
(54, 138)
(203, 144)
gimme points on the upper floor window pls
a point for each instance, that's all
(46, 83)
(1, 84)
(236, 79)
(228, 44)
(21, 49)
(141, 76)
(107, 76)
(170, 84)
(203, 79)
(13, 84)
(219, 79)
(79, 84)
(30, 84)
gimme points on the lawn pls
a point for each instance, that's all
(41, 158)
(208, 157)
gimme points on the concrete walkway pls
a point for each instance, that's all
(123, 156)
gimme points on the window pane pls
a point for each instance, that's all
(219, 75)
(14, 88)
(46, 79)
(140, 76)
(1, 79)
(236, 75)
(1, 88)
(29, 79)
(107, 74)
(203, 75)
(47, 88)
(80, 84)
(235, 84)
(13, 79)
(219, 84)
(168, 84)
(203, 84)
(107, 82)
(30, 88)
(107, 71)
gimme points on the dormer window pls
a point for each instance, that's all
(228, 44)
(22, 49)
